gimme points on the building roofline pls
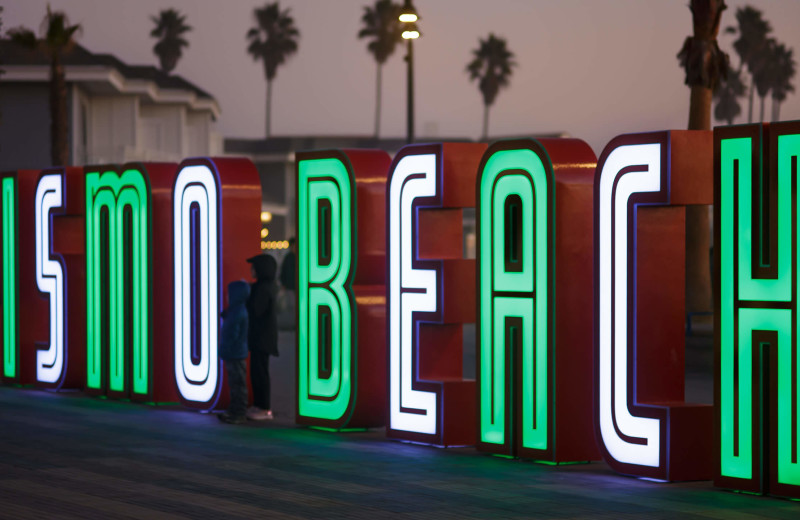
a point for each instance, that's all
(84, 67)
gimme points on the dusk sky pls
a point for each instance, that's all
(591, 68)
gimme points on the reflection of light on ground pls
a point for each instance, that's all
(148, 456)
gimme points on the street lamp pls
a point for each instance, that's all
(408, 16)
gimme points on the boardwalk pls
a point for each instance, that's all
(70, 456)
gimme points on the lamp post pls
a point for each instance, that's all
(408, 16)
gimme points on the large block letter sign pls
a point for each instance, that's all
(8, 228)
(215, 208)
(341, 342)
(431, 293)
(59, 264)
(161, 241)
(124, 358)
(50, 276)
(50, 261)
(757, 363)
(535, 300)
(644, 426)
(118, 282)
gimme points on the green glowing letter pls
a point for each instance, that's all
(9, 215)
(757, 228)
(325, 300)
(516, 227)
(117, 227)
(534, 333)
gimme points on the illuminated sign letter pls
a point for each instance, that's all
(644, 426)
(534, 245)
(431, 293)
(8, 213)
(341, 219)
(211, 207)
(757, 360)
(49, 277)
(117, 261)
(196, 258)
(50, 255)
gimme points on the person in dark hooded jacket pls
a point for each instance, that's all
(233, 350)
(262, 339)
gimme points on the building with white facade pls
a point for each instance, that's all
(116, 112)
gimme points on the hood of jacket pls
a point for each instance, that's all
(238, 291)
(266, 267)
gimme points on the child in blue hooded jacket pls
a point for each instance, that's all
(233, 351)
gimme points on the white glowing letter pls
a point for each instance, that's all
(49, 278)
(410, 290)
(195, 198)
(628, 170)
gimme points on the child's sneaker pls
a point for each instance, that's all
(230, 419)
(259, 415)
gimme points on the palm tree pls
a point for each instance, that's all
(491, 65)
(1, 32)
(272, 41)
(170, 27)
(3, 72)
(704, 64)
(703, 60)
(727, 95)
(1, 27)
(383, 27)
(786, 68)
(753, 31)
(56, 39)
(765, 73)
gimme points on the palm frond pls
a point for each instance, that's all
(274, 38)
(492, 65)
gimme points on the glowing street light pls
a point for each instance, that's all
(408, 16)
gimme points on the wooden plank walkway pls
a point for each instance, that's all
(70, 456)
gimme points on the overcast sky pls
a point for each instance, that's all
(591, 68)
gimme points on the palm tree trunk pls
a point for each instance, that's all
(378, 103)
(269, 106)
(698, 273)
(700, 108)
(705, 19)
(485, 134)
(762, 108)
(776, 110)
(59, 150)
(750, 104)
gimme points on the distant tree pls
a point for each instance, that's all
(765, 73)
(57, 38)
(1, 32)
(491, 65)
(273, 40)
(2, 71)
(727, 95)
(704, 64)
(703, 61)
(382, 26)
(786, 68)
(753, 31)
(170, 26)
